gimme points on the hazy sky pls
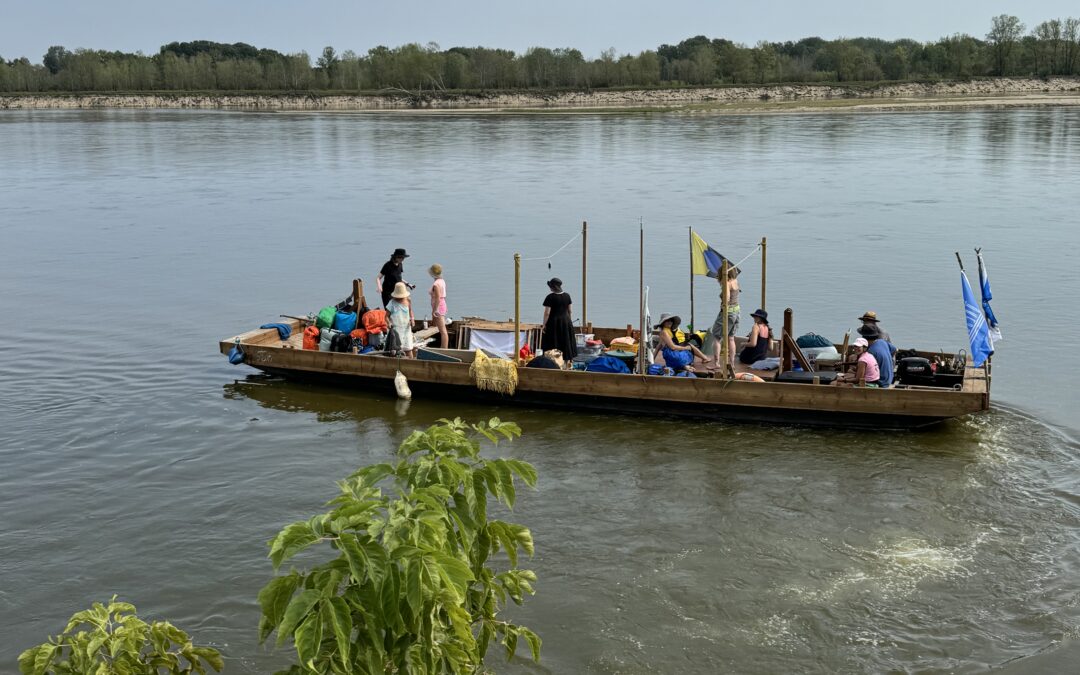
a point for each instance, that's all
(28, 27)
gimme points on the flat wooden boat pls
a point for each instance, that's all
(633, 394)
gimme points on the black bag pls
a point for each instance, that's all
(392, 345)
(805, 377)
(341, 342)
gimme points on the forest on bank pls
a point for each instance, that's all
(1008, 49)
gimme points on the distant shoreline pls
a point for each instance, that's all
(993, 93)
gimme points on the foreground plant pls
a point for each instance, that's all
(112, 640)
(412, 588)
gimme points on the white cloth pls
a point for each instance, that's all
(494, 340)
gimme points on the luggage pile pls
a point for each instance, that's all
(337, 328)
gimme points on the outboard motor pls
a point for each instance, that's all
(915, 370)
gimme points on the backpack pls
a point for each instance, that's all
(325, 318)
(311, 337)
(812, 340)
(392, 344)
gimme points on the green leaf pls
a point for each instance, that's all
(274, 598)
(336, 615)
(414, 591)
(524, 470)
(290, 541)
(370, 475)
(308, 638)
(297, 610)
(454, 572)
(534, 642)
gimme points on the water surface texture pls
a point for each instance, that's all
(134, 460)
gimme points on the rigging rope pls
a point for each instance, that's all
(561, 248)
(752, 252)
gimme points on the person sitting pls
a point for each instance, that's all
(869, 318)
(882, 351)
(757, 342)
(866, 366)
(677, 356)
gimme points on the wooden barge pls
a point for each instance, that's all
(721, 399)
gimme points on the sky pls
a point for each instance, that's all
(29, 27)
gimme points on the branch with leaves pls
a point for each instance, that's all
(415, 586)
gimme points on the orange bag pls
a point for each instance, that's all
(359, 334)
(311, 338)
(375, 321)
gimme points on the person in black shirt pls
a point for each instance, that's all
(558, 330)
(390, 274)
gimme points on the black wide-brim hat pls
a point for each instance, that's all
(555, 283)
(400, 253)
(761, 314)
(870, 332)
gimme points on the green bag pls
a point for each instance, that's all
(325, 319)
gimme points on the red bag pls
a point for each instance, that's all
(359, 334)
(311, 338)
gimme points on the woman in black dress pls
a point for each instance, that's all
(558, 331)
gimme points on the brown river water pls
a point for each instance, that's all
(135, 460)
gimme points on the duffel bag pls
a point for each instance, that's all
(341, 342)
(311, 337)
(325, 318)
(345, 321)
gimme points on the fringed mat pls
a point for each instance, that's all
(496, 375)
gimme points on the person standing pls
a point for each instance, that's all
(732, 318)
(558, 328)
(390, 274)
(399, 311)
(438, 304)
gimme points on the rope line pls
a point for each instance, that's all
(752, 252)
(561, 248)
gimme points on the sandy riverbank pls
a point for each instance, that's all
(1000, 92)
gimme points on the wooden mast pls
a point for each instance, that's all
(642, 346)
(584, 276)
(724, 319)
(763, 248)
(517, 306)
(690, 234)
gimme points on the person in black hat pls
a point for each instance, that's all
(882, 351)
(558, 330)
(757, 342)
(390, 275)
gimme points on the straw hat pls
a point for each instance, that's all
(400, 291)
(435, 270)
(870, 316)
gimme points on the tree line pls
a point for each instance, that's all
(1051, 48)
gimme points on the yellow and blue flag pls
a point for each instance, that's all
(704, 259)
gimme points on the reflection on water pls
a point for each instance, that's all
(134, 460)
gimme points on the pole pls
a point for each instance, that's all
(785, 348)
(517, 306)
(959, 261)
(763, 248)
(584, 277)
(724, 352)
(690, 233)
(641, 301)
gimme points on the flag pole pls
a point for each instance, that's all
(517, 306)
(724, 351)
(959, 261)
(584, 276)
(641, 298)
(690, 233)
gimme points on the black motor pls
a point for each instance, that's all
(915, 370)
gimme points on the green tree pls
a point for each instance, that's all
(112, 639)
(765, 61)
(1005, 32)
(55, 59)
(413, 587)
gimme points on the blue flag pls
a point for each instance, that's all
(984, 287)
(978, 331)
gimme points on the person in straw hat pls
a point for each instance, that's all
(438, 304)
(869, 318)
(400, 312)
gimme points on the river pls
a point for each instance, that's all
(134, 460)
